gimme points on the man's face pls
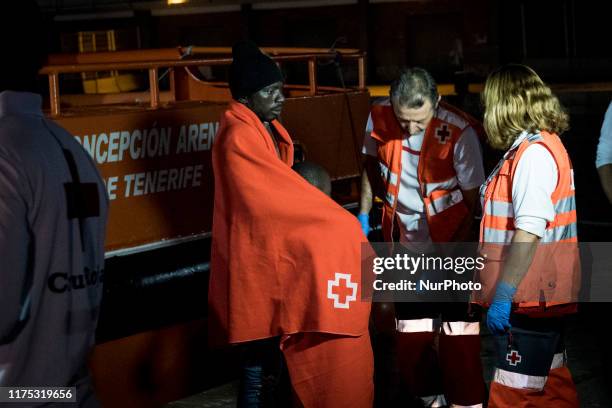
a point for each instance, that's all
(267, 103)
(415, 120)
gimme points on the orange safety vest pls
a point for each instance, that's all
(553, 277)
(445, 209)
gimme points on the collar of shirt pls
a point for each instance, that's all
(524, 134)
(20, 103)
(407, 137)
(519, 139)
(514, 146)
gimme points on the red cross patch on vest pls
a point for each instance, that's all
(442, 134)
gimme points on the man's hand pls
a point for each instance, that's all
(364, 220)
(375, 183)
(498, 316)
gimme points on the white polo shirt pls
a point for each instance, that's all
(535, 179)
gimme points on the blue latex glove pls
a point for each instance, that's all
(364, 220)
(498, 316)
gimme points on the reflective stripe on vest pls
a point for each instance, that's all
(502, 209)
(388, 175)
(565, 205)
(391, 178)
(497, 236)
(449, 184)
(561, 233)
(493, 234)
(390, 199)
(444, 201)
(503, 213)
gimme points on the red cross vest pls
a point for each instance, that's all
(553, 277)
(444, 206)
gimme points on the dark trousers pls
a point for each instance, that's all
(264, 380)
(442, 359)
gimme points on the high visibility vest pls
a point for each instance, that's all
(445, 209)
(553, 277)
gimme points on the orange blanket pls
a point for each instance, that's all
(330, 371)
(278, 243)
(286, 262)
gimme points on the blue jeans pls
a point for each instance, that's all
(263, 370)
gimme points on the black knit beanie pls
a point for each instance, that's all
(251, 70)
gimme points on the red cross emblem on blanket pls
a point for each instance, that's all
(341, 290)
(513, 357)
(442, 134)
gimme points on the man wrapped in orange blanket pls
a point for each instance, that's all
(285, 257)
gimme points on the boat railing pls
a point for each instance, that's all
(281, 55)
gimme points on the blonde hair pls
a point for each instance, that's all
(516, 100)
